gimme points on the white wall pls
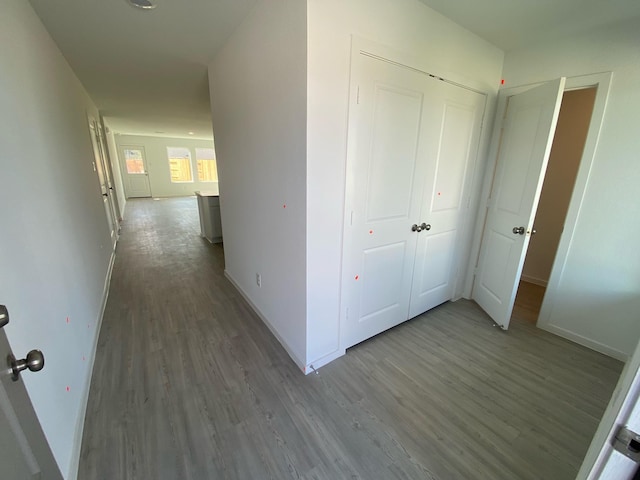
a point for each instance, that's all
(598, 296)
(55, 246)
(155, 149)
(562, 169)
(258, 99)
(426, 40)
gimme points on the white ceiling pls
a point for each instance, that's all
(147, 70)
(510, 24)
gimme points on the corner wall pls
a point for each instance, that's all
(598, 288)
(55, 248)
(426, 40)
(258, 101)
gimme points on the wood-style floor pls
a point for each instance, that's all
(189, 384)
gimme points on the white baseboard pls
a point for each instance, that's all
(322, 361)
(534, 280)
(586, 342)
(74, 463)
(289, 350)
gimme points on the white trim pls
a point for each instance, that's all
(586, 342)
(262, 317)
(322, 361)
(74, 462)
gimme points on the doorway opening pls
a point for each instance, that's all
(564, 161)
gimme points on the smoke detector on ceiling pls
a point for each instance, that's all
(143, 4)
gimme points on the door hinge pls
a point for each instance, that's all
(627, 442)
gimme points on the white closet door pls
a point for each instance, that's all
(446, 196)
(391, 115)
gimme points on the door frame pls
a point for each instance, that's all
(603, 83)
(388, 54)
(100, 167)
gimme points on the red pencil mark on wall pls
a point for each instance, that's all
(357, 277)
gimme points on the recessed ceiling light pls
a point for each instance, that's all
(191, 133)
(144, 4)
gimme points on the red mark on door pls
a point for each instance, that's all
(357, 277)
(67, 319)
(68, 389)
(370, 232)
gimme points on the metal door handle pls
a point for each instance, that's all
(34, 362)
(518, 230)
(4, 316)
(418, 228)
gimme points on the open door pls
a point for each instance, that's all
(100, 168)
(24, 450)
(523, 153)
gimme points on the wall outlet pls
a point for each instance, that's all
(258, 280)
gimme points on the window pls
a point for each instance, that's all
(133, 160)
(207, 169)
(179, 164)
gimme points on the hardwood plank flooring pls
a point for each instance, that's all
(189, 384)
(528, 301)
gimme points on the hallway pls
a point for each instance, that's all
(188, 383)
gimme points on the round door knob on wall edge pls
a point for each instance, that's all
(34, 362)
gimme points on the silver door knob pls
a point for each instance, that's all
(426, 226)
(518, 230)
(415, 228)
(34, 362)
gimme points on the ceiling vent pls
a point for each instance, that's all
(143, 4)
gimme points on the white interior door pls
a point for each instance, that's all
(134, 171)
(99, 166)
(389, 117)
(446, 195)
(24, 451)
(102, 145)
(525, 145)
